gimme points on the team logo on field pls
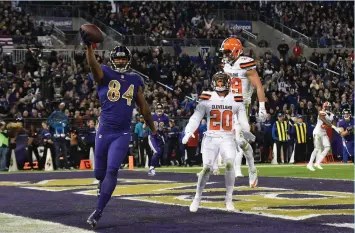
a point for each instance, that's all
(265, 201)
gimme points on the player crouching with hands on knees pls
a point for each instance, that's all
(220, 106)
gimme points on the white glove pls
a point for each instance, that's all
(248, 136)
(187, 137)
(262, 111)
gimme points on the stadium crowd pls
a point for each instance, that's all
(292, 87)
(330, 22)
(31, 92)
(19, 25)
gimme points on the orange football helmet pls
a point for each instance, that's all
(231, 48)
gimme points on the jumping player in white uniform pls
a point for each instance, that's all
(221, 107)
(320, 137)
(244, 80)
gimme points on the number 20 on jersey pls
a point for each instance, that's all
(221, 120)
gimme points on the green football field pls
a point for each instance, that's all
(330, 171)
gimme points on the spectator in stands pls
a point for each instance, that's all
(297, 50)
(283, 49)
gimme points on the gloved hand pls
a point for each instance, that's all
(262, 113)
(187, 137)
(85, 37)
(155, 142)
(248, 136)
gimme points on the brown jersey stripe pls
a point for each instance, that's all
(247, 65)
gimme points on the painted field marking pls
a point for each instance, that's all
(225, 210)
(347, 225)
(13, 224)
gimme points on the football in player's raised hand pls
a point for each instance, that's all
(90, 33)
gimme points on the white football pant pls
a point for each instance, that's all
(210, 148)
(321, 148)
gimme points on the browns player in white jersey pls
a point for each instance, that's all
(244, 80)
(221, 107)
(320, 137)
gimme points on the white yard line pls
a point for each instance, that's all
(347, 225)
(14, 224)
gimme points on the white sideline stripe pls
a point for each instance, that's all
(348, 225)
(14, 224)
(307, 178)
(261, 166)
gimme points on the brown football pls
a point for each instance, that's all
(94, 33)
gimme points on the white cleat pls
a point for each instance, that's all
(229, 204)
(310, 167)
(253, 178)
(318, 166)
(238, 174)
(195, 204)
(216, 172)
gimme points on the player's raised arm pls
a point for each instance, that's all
(194, 121)
(323, 113)
(95, 67)
(254, 78)
(145, 111)
(243, 119)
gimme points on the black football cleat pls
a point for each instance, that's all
(94, 218)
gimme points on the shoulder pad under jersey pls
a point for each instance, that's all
(205, 95)
(246, 63)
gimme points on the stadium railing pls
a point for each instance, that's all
(181, 122)
(286, 30)
(143, 40)
(104, 28)
(19, 55)
(79, 125)
(315, 66)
